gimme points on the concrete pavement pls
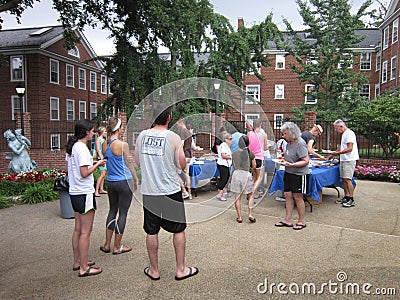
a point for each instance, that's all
(341, 249)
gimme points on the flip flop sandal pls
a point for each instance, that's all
(146, 272)
(239, 220)
(122, 250)
(300, 226)
(87, 272)
(191, 273)
(283, 224)
(90, 263)
(102, 248)
(252, 219)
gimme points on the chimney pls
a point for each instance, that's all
(240, 22)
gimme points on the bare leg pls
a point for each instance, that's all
(84, 239)
(348, 187)
(301, 207)
(100, 183)
(152, 251)
(257, 182)
(251, 204)
(109, 234)
(180, 246)
(238, 207)
(75, 239)
(289, 207)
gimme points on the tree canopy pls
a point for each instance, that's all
(324, 56)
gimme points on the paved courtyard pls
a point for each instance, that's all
(344, 253)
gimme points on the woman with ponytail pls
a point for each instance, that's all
(81, 191)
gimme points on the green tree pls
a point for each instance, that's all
(320, 49)
(15, 7)
(200, 43)
(379, 121)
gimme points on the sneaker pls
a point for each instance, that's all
(349, 203)
(190, 197)
(277, 198)
(343, 200)
(185, 196)
(227, 195)
(221, 198)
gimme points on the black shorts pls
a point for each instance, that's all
(167, 212)
(83, 203)
(259, 163)
(295, 183)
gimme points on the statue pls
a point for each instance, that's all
(20, 159)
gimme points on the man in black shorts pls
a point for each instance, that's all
(159, 153)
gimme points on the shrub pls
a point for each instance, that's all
(5, 202)
(380, 173)
(39, 193)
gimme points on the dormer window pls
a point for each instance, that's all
(74, 51)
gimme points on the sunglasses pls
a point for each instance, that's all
(229, 138)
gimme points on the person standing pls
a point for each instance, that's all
(187, 139)
(295, 177)
(159, 153)
(224, 163)
(263, 140)
(102, 136)
(242, 178)
(257, 148)
(309, 138)
(348, 158)
(121, 182)
(81, 191)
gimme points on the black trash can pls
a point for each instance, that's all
(61, 186)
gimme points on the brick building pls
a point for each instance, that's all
(61, 86)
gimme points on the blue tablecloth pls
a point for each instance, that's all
(269, 165)
(319, 178)
(207, 170)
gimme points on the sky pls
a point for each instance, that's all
(252, 11)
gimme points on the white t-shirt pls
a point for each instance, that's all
(224, 148)
(80, 156)
(349, 137)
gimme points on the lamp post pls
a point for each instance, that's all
(216, 87)
(20, 92)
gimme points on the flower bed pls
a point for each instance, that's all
(380, 173)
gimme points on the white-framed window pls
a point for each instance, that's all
(280, 61)
(82, 79)
(69, 135)
(109, 86)
(55, 142)
(377, 90)
(54, 108)
(384, 71)
(365, 61)
(135, 135)
(279, 91)
(365, 91)
(256, 66)
(74, 51)
(311, 94)
(312, 58)
(386, 38)
(252, 94)
(103, 87)
(93, 110)
(395, 31)
(16, 106)
(69, 75)
(393, 67)
(17, 68)
(278, 121)
(70, 109)
(346, 61)
(93, 81)
(378, 62)
(82, 110)
(54, 71)
(251, 117)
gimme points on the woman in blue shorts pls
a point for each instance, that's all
(81, 191)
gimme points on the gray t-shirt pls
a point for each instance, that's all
(293, 154)
(157, 163)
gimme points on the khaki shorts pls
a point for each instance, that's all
(347, 169)
(242, 182)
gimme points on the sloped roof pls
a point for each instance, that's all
(25, 38)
